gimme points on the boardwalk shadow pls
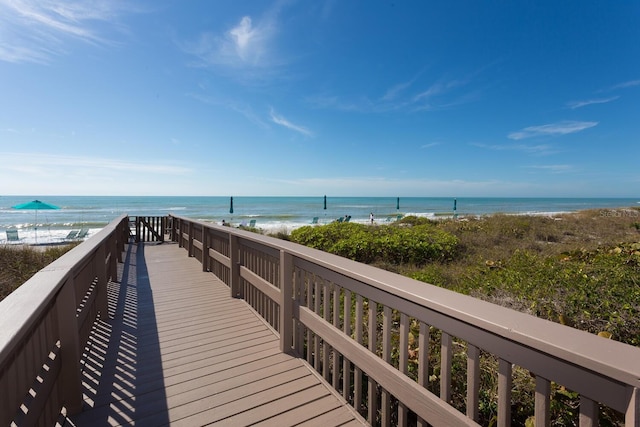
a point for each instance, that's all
(122, 367)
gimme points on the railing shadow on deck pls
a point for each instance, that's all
(122, 372)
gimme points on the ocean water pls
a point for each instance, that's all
(270, 213)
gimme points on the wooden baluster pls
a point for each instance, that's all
(473, 381)
(403, 362)
(505, 382)
(445, 367)
(542, 408)
(357, 372)
(346, 365)
(423, 362)
(336, 322)
(316, 338)
(386, 356)
(310, 289)
(373, 347)
(588, 412)
(326, 305)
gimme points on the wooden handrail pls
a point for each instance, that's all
(45, 323)
(311, 323)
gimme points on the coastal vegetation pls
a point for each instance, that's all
(581, 270)
(18, 264)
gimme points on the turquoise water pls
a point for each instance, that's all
(270, 213)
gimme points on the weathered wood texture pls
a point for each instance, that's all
(180, 351)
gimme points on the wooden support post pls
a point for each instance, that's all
(234, 258)
(101, 273)
(286, 302)
(70, 382)
(190, 245)
(632, 416)
(205, 249)
(113, 263)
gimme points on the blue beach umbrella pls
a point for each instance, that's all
(35, 205)
(231, 206)
(325, 202)
(398, 203)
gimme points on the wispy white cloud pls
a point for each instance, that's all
(395, 91)
(277, 119)
(539, 149)
(579, 104)
(44, 164)
(235, 106)
(429, 145)
(436, 89)
(630, 83)
(553, 129)
(37, 30)
(553, 168)
(249, 45)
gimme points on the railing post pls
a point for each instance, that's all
(286, 302)
(70, 379)
(113, 262)
(205, 249)
(234, 259)
(120, 241)
(179, 233)
(102, 302)
(190, 245)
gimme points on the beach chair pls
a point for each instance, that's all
(72, 235)
(252, 223)
(314, 220)
(82, 234)
(12, 235)
(340, 219)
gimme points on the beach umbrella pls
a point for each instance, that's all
(325, 202)
(398, 203)
(35, 205)
(231, 206)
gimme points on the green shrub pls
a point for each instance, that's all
(391, 244)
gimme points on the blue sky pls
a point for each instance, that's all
(346, 98)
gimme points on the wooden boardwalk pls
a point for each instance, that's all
(179, 351)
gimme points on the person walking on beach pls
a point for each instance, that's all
(371, 217)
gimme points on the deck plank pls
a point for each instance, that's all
(178, 350)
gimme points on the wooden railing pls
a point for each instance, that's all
(44, 326)
(358, 327)
(148, 228)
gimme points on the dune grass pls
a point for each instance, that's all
(19, 264)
